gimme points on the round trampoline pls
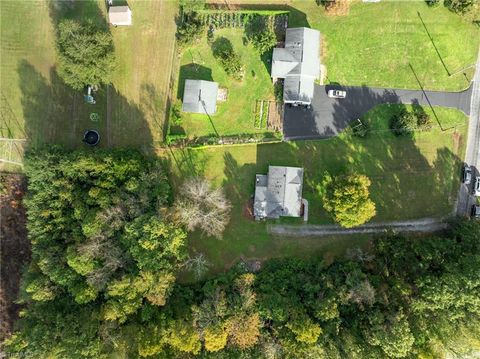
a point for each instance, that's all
(91, 137)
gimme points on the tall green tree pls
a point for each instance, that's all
(85, 54)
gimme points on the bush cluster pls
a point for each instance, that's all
(405, 122)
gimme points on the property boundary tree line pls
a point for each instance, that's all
(181, 140)
(406, 297)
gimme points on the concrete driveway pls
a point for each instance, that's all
(327, 117)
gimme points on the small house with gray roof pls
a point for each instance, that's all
(298, 63)
(200, 96)
(278, 193)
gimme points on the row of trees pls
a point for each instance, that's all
(406, 297)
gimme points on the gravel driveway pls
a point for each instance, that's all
(424, 225)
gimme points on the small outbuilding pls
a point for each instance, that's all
(120, 15)
(200, 96)
(279, 193)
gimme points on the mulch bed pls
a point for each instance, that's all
(15, 248)
(247, 209)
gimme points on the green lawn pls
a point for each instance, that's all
(376, 44)
(412, 177)
(236, 115)
(35, 104)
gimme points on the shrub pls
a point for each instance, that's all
(278, 91)
(260, 33)
(360, 128)
(459, 6)
(424, 121)
(433, 3)
(228, 58)
(176, 114)
(190, 30)
(403, 122)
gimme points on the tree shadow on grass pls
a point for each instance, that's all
(405, 184)
(192, 71)
(86, 10)
(55, 114)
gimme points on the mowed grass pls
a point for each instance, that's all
(412, 177)
(378, 44)
(141, 85)
(37, 105)
(26, 37)
(236, 115)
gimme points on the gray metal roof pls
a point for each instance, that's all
(298, 63)
(279, 193)
(200, 96)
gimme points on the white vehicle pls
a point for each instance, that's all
(337, 94)
(476, 190)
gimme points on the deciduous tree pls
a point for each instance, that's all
(347, 200)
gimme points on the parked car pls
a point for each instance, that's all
(475, 211)
(337, 94)
(467, 174)
(477, 187)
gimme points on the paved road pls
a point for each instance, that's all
(472, 156)
(327, 117)
(306, 230)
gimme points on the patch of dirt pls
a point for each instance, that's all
(247, 209)
(15, 248)
(457, 138)
(337, 8)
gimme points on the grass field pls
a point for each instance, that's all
(412, 177)
(35, 104)
(377, 42)
(236, 115)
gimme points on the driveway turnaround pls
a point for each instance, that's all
(327, 117)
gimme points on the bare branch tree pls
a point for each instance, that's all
(201, 206)
(198, 265)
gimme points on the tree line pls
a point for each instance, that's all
(108, 243)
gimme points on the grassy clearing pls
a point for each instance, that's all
(37, 105)
(377, 43)
(412, 177)
(237, 114)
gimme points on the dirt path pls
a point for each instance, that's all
(419, 225)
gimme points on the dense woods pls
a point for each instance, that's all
(106, 249)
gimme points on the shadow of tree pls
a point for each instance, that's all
(86, 10)
(192, 71)
(221, 45)
(54, 113)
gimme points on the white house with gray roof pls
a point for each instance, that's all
(200, 96)
(279, 193)
(298, 63)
